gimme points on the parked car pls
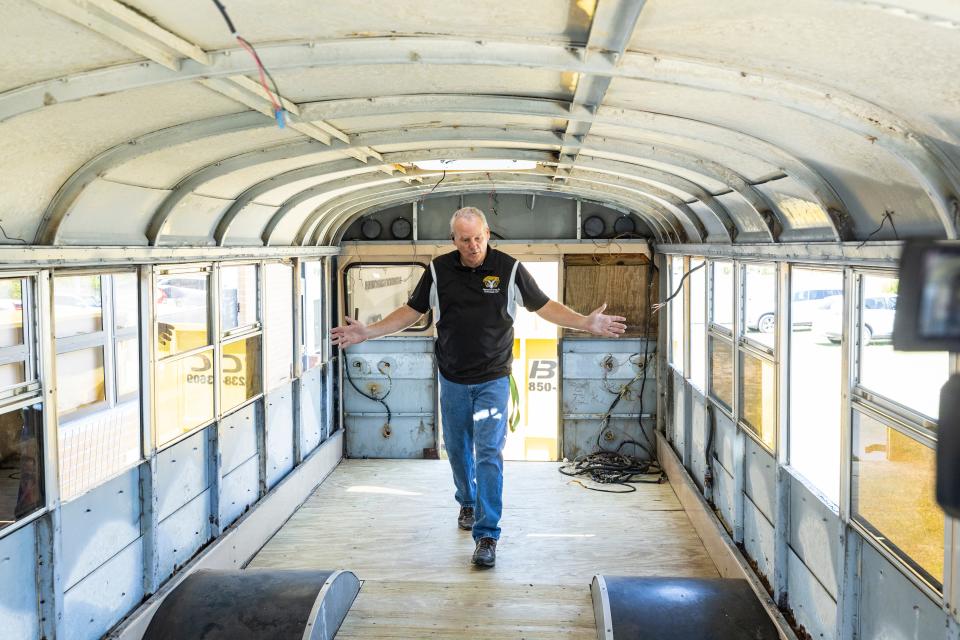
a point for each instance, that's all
(877, 319)
(804, 305)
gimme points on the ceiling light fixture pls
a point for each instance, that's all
(476, 165)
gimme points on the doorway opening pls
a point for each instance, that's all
(536, 369)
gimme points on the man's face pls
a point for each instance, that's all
(470, 236)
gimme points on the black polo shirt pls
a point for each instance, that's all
(474, 311)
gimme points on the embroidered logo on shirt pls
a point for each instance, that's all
(491, 284)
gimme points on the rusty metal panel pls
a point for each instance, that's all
(815, 536)
(98, 525)
(237, 434)
(723, 440)
(239, 489)
(183, 534)
(19, 617)
(758, 539)
(101, 599)
(760, 480)
(406, 437)
(814, 609)
(893, 607)
(279, 426)
(311, 410)
(723, 496)
(182, 473)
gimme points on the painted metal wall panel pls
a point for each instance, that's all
(240, 489)
(182, 534)
(815, 536)
(698, 440)
(19, 617)
(405, 396)
(758, 539)
(182, 472)
(893, 607)
(812, 606)
(238, 437)
(98, 525)
(101, 599)
(723, 495)
(760, 480)
(407, 437)
(311, 409)
(402, 372)
(580, 436)
(279, 425)
(724, 436)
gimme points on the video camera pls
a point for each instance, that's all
(928, 319)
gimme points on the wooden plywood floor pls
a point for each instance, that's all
(393, 523)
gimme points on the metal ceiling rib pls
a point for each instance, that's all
(675, 213)
(636, 157)
(464, 136)
(247, 121)
(613, 24)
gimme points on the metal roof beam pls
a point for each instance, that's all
(130, 29)
(464, 136)
(614, 21)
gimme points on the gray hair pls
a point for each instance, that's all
(468, 212)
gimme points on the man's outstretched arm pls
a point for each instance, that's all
(597, 323)
(355, 332)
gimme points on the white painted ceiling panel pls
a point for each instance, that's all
(749, 166)
(38, 44)
(246, 229)
(162, 169)
(276, 197)
(869, 49)
(279, 20)
(229, 186)
(194, 217)
(40, 150)
(111, 213)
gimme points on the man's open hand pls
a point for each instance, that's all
(600, 324)
(354, 332)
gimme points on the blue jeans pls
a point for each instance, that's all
(475, 431)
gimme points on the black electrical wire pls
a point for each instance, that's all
(382, 398)
(673, 295)
(887, 215)
(261, 68)
(615, 467)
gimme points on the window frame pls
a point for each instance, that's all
(105, 339)
(747, 347)
(407, 263)
(27, 352)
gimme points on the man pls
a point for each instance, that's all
(474, 292)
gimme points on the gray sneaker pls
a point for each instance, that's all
(486, 553)
(465, 519)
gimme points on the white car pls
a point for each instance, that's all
(804, 305)
(877, 319)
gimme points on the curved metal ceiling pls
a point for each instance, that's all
(143, 122)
